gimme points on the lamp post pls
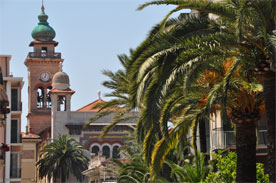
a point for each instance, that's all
(4, 103)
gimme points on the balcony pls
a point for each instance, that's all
(44, 55)
(223, 139)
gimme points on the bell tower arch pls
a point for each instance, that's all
(42, 63)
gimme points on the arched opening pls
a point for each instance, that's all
(44, 49)
(40, 97)
(106, 151)
(95, 149)
(61, 104)
(48, 97)
(116, 152)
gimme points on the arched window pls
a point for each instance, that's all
(115, 152)
(40, 97)
(95, 149)
(61, 103)
(106, 151)
(48, 97)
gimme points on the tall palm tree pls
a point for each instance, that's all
(254, 22)
(61, 157)
(165, 57)
(152, 64)
(237, 89)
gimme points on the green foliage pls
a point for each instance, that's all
(63, 156)
(226, 166)
(261, 176)
(136, 169)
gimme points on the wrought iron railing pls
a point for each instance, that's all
(44, 55)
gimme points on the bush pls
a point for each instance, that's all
(226, 166)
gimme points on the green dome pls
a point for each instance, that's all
(43, 32)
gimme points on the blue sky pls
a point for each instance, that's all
(91, 33)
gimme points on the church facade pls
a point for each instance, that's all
(49, 107)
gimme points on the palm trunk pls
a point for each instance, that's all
(269, 98)
(63, 179)
(202, 136)
(246, 152)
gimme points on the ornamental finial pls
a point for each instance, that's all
(42, 8)
(60, 66)
(99, 95)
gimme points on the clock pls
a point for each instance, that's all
(45, 76)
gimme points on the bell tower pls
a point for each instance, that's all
(42, 63)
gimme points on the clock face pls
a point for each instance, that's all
(45, 76)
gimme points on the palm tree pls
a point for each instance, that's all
(193, 170)
(152, 64)
(62, 157)
(182, 46)
(134, 168)
(255, 22)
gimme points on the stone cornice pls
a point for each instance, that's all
(31, 61)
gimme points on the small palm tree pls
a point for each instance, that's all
(61, 157)
(194, 171)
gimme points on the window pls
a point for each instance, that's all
(61, 103)
(48, 97)
(40, 97)
(14, 168)
(14, 131)
(116, 153)
(95, 149)
(106, 151)
(14, 99)
(44, 50)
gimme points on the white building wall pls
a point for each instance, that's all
(216, 132)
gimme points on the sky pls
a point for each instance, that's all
(91, 33)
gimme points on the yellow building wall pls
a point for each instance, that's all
(28, 161)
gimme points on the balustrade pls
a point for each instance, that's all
(44, 55)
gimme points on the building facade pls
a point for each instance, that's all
(49, 107)
(11, 133)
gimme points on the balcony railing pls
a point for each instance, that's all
(224, 139)
(44, 55)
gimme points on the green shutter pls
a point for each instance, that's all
(14, 99)
(14, 131)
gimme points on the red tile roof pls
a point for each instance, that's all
(90, 106)
(29, 136)
(55, 90)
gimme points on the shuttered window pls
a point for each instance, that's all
(14, 131)
(14, 99)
